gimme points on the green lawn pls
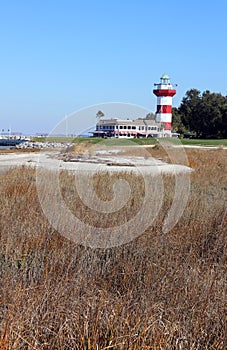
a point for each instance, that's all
(65, 139)
(207, 142)
(125, 142)
(94, 140)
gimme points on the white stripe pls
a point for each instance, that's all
(164, 117)
(164, 100)
(164, 86)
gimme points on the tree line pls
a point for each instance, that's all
(204, 114)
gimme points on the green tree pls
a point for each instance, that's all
(150, 116)
(177, 124)
(224, 119)
(99, 114)
(204, 113)
(211, 114)
(189, 109)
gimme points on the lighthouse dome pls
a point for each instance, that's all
(165, 76)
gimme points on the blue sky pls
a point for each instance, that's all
(59, 56)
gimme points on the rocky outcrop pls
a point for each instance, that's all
(42, 145)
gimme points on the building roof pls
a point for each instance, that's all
(127, 122)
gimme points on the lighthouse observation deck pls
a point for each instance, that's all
(164, 92)
(164, 88)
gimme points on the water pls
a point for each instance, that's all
(5, 147)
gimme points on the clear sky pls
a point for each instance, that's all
(59, 56)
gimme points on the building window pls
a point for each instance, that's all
(133, 127)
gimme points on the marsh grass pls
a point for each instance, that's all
(160, 291)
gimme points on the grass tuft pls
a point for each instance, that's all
(160, 291)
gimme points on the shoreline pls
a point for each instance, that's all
(104, 160)
(86, 164)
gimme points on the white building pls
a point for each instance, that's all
(127, 128)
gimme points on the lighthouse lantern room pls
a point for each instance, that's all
(164, 92)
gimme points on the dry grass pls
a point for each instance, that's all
(19, 150)
(82, 148)
(161, 291)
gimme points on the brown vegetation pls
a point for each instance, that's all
(19, 150)
(160, 291)
(81, 148)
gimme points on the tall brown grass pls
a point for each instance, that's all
(160, 291)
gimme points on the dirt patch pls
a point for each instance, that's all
(82, 148)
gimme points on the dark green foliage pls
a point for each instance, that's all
(177, 125)
(204, 113)
(150, 116)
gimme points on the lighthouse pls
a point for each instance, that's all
(164, 92)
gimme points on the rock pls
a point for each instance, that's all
(42, 145)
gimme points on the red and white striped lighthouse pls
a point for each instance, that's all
(164, 92)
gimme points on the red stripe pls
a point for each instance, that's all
(167, 125)
(163, 92)
(164, 109)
